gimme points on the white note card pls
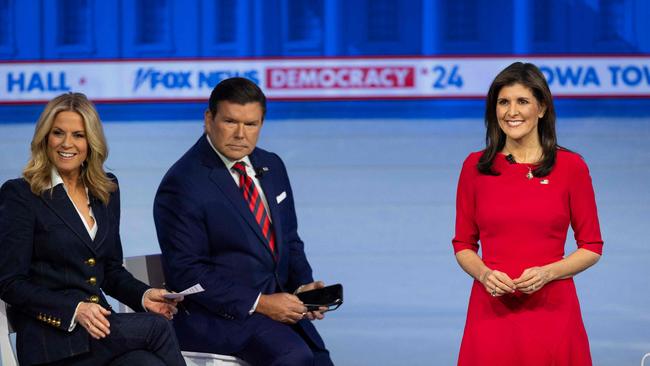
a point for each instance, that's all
(192, 290)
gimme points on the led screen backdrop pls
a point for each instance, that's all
(315, 79)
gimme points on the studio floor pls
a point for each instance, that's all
(375, 203)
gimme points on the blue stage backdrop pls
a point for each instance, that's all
(45, 33)
(375, 196)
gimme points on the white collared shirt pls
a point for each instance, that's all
(249, 171)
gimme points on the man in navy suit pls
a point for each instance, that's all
(225, 219)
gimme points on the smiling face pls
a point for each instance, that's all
(67, 147)
(234, 128)
(518, 112)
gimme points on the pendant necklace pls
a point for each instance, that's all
(511, 159)
(529, 175)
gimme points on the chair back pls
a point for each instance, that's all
(147, 268)
(6, 350)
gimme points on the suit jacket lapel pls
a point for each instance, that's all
(102, 221)
(62, 206)
(223, 180)
(267, 185)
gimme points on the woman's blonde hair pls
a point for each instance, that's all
(39, 168)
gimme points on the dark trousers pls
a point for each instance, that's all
(276, 344)
(141, 339)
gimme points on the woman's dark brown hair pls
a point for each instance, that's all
(531, 77)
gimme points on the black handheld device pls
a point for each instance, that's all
(330, 297)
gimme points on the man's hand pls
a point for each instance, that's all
(282, 307)
(93, 318)
(310, 286)
(316, 314)
(155, 302)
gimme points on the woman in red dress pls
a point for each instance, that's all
(517, 198)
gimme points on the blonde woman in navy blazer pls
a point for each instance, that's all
(59, 235)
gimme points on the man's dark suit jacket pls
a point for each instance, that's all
(209, 236)
(49, 264)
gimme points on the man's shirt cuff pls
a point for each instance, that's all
(252, 310)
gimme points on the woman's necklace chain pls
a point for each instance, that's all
(529, 175)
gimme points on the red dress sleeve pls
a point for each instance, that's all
(467, 233)
(582, 203)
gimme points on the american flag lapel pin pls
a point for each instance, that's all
(543, 181)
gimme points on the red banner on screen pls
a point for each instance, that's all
(342, 77)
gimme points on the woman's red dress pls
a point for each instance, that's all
(522, 223)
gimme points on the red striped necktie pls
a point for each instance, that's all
(255, 204)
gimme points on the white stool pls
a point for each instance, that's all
(148, 269)
(644, 358)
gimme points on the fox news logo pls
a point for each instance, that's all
(167, 79)
(156, 79)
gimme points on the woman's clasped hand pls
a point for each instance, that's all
(498, 283)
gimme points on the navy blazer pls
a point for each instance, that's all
(49, 264)
(208, 235)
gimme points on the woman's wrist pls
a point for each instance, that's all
(486, 272)
(551, 272)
